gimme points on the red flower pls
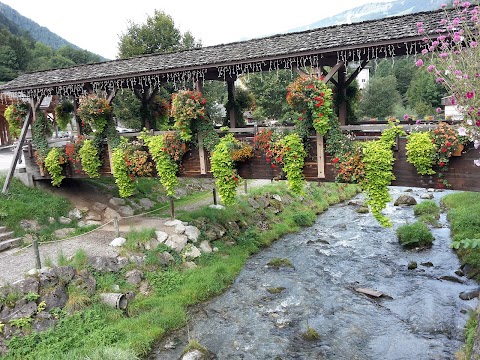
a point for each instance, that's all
(444, 150)
(449, 143)
(441, 164)
(335, 160)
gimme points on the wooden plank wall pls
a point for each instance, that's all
(462, 173)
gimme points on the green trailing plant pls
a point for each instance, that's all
(223, 169)
(164, 161)
(15, 114)
(41, 306)
(90, 159)
(293, 161)
(311, 334)
(41, 129)
(31, 296)
(421, 152)
(187, 106)
(53, 163)
(21, 323)
(63, 113)
(378, 164)
(121, 173)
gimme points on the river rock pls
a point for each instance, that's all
(179, 229)
(119, 241)
(65, 274)
(75, 214)
(28, 285)
(471, 294)
(162, 236)
(205, 247)
(64, 220)
(93, 216)
(412, 265)
(98, 206)
(117, 201)
(23, 310)
(48, 278)
(192, 233)
(405, 199)
(110, 214)
(137, 259)
(107, 263)
(426, 196)
(253, 203)
(176, 242)
(166, 259)
(43, 321)
(126, 210)
(192, 252)
(63, 233)
(172, 223)
(134, 276)
(146, 203)
(56, 298)
(84, 280)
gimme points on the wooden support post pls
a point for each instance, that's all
(172, 208)
(110, 160)
(342, 91)
(36, 252)
(333, 71)
(214, 191)
(34, 104)
(245, 185)
(231, 100)
(320, 157)
(201, 154)
(117, 227)
(199, 86)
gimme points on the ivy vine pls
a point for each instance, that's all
(293, 161)
(121, 173)
(421, 152)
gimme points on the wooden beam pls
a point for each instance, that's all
(34, 105)
(342, 92)
(320, 157)
(201, 153)
(333, 71)
(111, 96)
(356, 72)
(231, 100)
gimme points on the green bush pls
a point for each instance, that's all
(428, 211)
(304, 218)
(415, 235)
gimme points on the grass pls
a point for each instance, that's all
(150, 317)
(428, 211)
(416, 234)
(25, 203)
(311, 334)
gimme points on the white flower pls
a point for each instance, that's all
(469, 122)
(476, 143)
(476, 162)
(462, 132)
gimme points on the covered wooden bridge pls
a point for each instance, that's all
(327, 50)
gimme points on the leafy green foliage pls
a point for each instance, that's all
(293, 161)
(223, 169)
(424, 93)
(166, 166)
(379, 97)
(421, 152)
(63, 113)
(40, 131)
(53, 163)
(429, 212)
(416, 234)
(126, 186)
(15, 115)
(90, 159)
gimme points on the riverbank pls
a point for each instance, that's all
(249, 226)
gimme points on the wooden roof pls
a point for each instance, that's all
(323, 46)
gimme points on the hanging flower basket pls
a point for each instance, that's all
(458, 150)
(187, 106)
(95, 112)
(15, 115)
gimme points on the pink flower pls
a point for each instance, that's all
(470, 94)
(443, 55)
(421, 31)
(431, 68)
(473, 44)
(444, 6)
(419, 24)
(438, 110)
(439, 80)
(466, 4)
(419, 62)
(405, 117)
(456, 21)
(457, 38)
(424, 51)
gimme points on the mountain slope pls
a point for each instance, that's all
(14, 21)
(373, 11)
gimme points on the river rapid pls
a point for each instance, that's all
(420, 316)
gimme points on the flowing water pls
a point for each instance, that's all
(420, 316)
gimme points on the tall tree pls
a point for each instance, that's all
(380, 97)
(424, 94)
(157, 35)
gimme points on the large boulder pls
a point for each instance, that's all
(405, 199)
(192, 233)
(146, 203)
(176, 242)
(117, 201)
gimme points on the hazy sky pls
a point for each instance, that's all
(95, 25)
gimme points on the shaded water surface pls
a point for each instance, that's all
(421, 316)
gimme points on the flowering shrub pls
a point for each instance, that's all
(293, 161)
(421, 152)
(187, 106)
(15, 115)
(72, 152)
(94, 111)
(174, 146)
(137, 161)
(453, 55)
(311, 96)
(242, 152)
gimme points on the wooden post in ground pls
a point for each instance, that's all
(214, 196)
(36, 252)
(172, 209)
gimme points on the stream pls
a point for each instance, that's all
(420, 316)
